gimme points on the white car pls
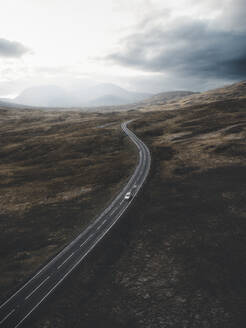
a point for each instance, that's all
(128, 195)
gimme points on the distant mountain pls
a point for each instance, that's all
(45, 96)
(99, 95)
(112, 95)
(108, 100)
(9, 104)
(108, 89)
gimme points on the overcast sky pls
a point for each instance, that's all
(143, 45)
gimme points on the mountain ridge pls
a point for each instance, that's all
(104, 94)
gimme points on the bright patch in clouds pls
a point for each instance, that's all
(140, 44)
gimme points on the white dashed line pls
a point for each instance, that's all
(8, 315)
(81, 245)
(89, 237)
(114, 211)
(96, 236)
(65, 261)
(37, 288)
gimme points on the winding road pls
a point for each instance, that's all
(17, 308)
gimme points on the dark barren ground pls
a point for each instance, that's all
(178, 258)
(58, 170)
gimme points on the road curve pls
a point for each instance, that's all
(17, 308)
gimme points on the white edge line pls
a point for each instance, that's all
(73, 267)
(6, 317)
(77, 263)
(73, 241)
(80, 260)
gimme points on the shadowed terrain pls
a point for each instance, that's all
(57, 172)
(177, 259)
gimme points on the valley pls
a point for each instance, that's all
(177, 259)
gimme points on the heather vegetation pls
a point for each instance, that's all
(177, 258)
(57, 172)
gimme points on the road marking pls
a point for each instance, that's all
(8, 315)
(37, 287)
(43, 268)
(86, 240)
(122, 201)
(81, 245)
(101, 224)
(89, 237)
(65, 261)
(74, 266)
(114, 211)
(136, 141)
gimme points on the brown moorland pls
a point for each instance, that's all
(58, 170)
(178, 258)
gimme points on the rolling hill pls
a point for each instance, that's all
(235, 91)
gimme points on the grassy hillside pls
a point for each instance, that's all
(183, 99)
(232, 92)
(58, 170)
(178, 258)
(166, 97)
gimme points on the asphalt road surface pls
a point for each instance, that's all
(17, 308)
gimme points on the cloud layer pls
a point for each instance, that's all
(12, 49)
(142, 45)
(189, 47)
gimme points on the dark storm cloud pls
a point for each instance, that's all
(188, 48)
(12, 49)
